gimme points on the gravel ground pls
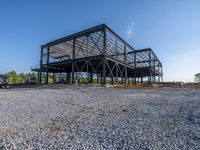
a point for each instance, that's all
(86, 117)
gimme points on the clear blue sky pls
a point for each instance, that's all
(170, 27)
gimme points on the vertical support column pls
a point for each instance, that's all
(60, 77)
(161, 74)
(116, 78)
(150, 72)
(47, 66)
(125, 60)
(116, 74)
(101, 78)
(73, 57)
(154, 67)
(41, 62)
(87, 73)
(68, 78)
(91, 77)
(87, 62)
(112, 81)
(104, 55)
(97, 79)
(135, 67)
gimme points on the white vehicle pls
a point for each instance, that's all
(31, 80)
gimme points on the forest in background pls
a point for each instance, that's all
(20, 78)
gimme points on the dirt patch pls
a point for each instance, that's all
(125, 110)
(55, 130)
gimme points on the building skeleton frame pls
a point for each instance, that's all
(98, 55)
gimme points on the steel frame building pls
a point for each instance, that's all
(98, 55)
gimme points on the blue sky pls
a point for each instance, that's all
(170, 27)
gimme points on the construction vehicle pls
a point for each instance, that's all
(3, 81)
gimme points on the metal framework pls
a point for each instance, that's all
(98, 55)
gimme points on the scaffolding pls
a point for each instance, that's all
(98, 55)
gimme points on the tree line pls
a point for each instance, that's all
(18, 78)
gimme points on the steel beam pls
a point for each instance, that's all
(76, 35)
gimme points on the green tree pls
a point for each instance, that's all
(12, 75)
(20, 78)
(197, 77)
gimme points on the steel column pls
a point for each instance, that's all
(150, 71)
(125, 61)
(104, 55)
(47, 66)
(161, 74)
(73, 57)
(135, 67)
(41, 62)
(91, 77)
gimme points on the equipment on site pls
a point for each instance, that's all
(3, 80)
(31, 80)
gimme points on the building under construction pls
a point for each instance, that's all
(97, 55)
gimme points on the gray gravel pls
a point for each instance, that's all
(86, 117)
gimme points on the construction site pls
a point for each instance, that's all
(89, 111)
(99, 56)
